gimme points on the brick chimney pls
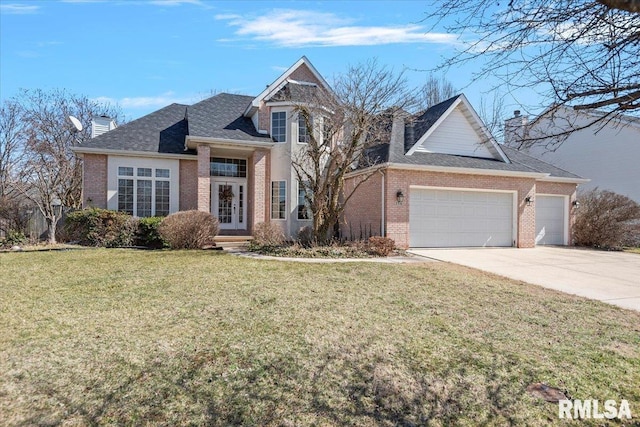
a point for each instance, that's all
(515, 129)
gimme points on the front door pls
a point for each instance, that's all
(228, 204)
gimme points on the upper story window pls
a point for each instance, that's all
(303, 130)
(279, 126)
(235, 168)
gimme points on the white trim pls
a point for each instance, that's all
(462, 99)
(514, 204)
(567, 180)
(286, 185)
(281, 81)
(298, 202)
(193, 142)
(468, 171)
(565, 215)
(126, 153)
(286, 124)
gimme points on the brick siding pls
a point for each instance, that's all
(188, 194)
(94, 181)
(204, 179)
(259, 181)
(363, 211)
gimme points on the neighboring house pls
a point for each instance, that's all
(441, 180)
(607, 152)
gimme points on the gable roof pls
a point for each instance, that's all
(430, 122)
(281, 81)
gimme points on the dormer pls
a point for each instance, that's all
(453, 127)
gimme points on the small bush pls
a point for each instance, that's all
(101, 227)
(306, 237)
(604, 219)
(13, 238)
(267, 234)
(189, 229)
(148, 234)
(380, 246)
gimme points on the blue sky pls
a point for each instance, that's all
(145, 54)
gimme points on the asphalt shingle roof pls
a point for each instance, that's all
(222, 116)
(415, 127)
(164, 131)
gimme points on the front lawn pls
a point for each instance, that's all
(203, 338)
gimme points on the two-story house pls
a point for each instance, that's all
(441, 179)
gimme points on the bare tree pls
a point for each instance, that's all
(340, 126)
(11, 148)
(580, 54)
(51, 175)
(434, 91)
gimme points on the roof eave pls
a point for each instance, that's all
(192, 142)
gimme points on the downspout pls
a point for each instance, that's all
(382, 227)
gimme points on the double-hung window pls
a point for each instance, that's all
(278, 200)
(304, 211)
(143, 192)
(279, 126)
(304, 132)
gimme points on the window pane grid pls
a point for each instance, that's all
(143, 198)
(235, 168)
(279, 126)
(278, 200)
(303, 132)
(304, 211)
(162, 198)
(125, 195)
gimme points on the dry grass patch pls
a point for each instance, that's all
(192, 338)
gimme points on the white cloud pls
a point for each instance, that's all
(18, 9)
(158, 101)
(297, 28)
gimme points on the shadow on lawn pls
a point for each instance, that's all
(344, 386)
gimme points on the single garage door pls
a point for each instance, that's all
(451, 218)
(550, 220)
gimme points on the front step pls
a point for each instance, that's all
(232, 242)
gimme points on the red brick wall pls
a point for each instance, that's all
(188, 185)
(363, 211)
(204, 179)
(398, 215)
(94, 181)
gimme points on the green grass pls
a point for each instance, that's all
(195, 337)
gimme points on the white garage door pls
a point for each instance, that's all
(550, 220)
(450, 218)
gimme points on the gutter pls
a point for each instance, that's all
(132, 153)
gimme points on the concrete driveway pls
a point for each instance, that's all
(611, 277)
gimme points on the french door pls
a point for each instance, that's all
(229, 205)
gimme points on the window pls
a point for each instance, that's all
(143, 193)
(279, 126)
(304, 211)
(278, 200)
(228, 167)
(303, 131)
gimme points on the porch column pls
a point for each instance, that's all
(204, 179)
(260, 168)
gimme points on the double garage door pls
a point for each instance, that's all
(459, 218)
(451, 218)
